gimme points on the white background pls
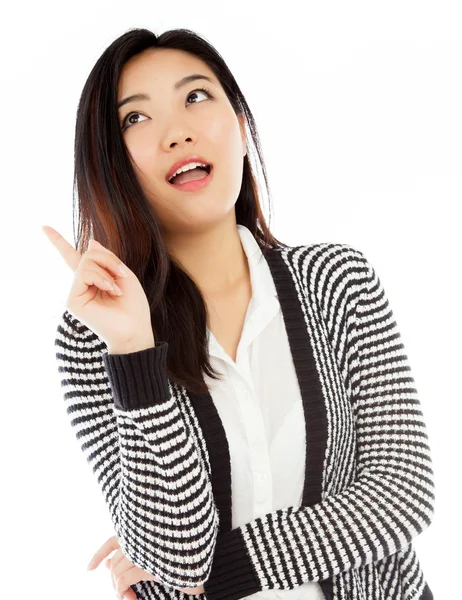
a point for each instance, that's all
(358, 107)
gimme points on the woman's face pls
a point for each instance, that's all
(175, 123)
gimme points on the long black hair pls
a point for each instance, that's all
(114, 209)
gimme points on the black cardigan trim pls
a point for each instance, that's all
(230, 559)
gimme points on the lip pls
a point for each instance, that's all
(185, 161)
(191, 186)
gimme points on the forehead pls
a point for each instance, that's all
(159, 67)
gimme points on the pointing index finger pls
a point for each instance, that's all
(69, 253)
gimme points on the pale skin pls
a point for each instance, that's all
(199, 227)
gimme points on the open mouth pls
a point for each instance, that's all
(207, 169)
(174, 180)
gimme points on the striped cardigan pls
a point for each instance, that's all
(161, 458)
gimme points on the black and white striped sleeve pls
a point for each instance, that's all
(149, 470)
(392, 498)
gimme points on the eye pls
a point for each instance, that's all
(205, 91)
(125, 126)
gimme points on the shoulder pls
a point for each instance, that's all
(332, 277)
(327, 265)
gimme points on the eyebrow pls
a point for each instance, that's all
(177, 86)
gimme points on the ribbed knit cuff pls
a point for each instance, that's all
(232, 575)
(138, 379)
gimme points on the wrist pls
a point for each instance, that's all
(134, 346)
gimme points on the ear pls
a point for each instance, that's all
(242, 121)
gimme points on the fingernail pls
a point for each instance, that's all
(122, 271)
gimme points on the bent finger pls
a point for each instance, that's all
(106, 259)
(109, 546)
(130, 577)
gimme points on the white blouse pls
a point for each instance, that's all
(261, 409)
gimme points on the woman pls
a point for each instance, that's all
(246, 406)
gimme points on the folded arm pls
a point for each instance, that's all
(148, 468)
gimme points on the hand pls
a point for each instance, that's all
(124, 573)
(117, 320)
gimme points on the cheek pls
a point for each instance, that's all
(142, 153)
(222, 135)
(225, 142)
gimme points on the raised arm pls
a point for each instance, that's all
(390, 503)
(132, 433)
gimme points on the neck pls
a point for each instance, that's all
(214, 258)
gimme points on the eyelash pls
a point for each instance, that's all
(201, 89)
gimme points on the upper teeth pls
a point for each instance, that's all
(188, 167)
